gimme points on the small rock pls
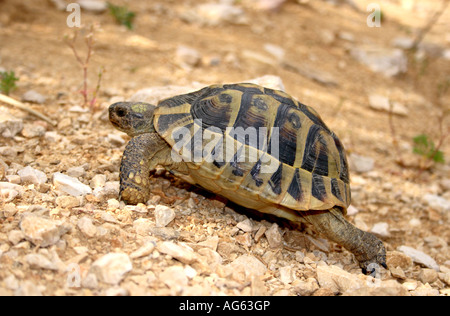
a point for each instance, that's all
(385, 288)
(428, 276)
(15, 236)
(111, 268)
(108, 191)
(87, 227)
(214, 14)
(31, 175)
(175, 278)
(33, 130)
(181, 253)
(437, 202)
(9, 210)
(52, 137)
(351, 210)
(397, 272)
(245, 240)
(143, 226)
(287, 275)
(210, 243)
(76, 172)
(8, 195)
(275, 50)
(445, 183)
(403, 42)
(90, 281)
(108, 217)
(260, 233)
(213, 259)
(346, 36)
(410, 285)
(446, 278)
(94, 6)
(389, 62)
(187, 57)
(59, 4)
(28, 288)
(41, 231)
(11, 186)
(274, 237)
(3, 168)
(337, 279)
(425, 290)
(306, 288)
(163, 215)
(246, 266)
(10, 126)
(398, 259)
(98, 181)
(70, 185)
(381, 229)
(11, 282)
(265, 5)
(446, 54)
(38, 261)
(382, 103)
(113, 204)
(360, 164)
(66, 201)
(9, 151)
(116, 140)
(268, 81)
(34, 97)
(143, 251)
(246, 225)
(419, 257)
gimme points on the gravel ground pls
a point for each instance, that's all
(64, 232)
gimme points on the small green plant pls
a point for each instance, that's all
(122, 15)
(8, 81)
(426, 148)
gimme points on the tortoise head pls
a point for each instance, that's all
(133, 118)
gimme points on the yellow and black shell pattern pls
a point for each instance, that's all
(256, 146)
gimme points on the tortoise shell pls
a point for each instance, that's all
(256, 146)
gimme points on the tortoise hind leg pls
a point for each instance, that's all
(368, 249)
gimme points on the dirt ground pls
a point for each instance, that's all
(394, 200)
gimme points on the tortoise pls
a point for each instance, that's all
(257, 147)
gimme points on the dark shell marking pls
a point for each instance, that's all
(312, 170)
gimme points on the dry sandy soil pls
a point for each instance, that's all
(209, 247)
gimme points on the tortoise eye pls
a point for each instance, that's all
(121, 112)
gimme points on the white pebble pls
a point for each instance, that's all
(111, 268)
(70, 185)
(41, 231)
(31, 175)
(163, 215)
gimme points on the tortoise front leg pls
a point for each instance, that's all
(368, 249)
(142, 154)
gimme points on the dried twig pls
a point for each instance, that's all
(84, 63)
(20, 105)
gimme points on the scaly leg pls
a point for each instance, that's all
(142, 154)
(368, 249)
